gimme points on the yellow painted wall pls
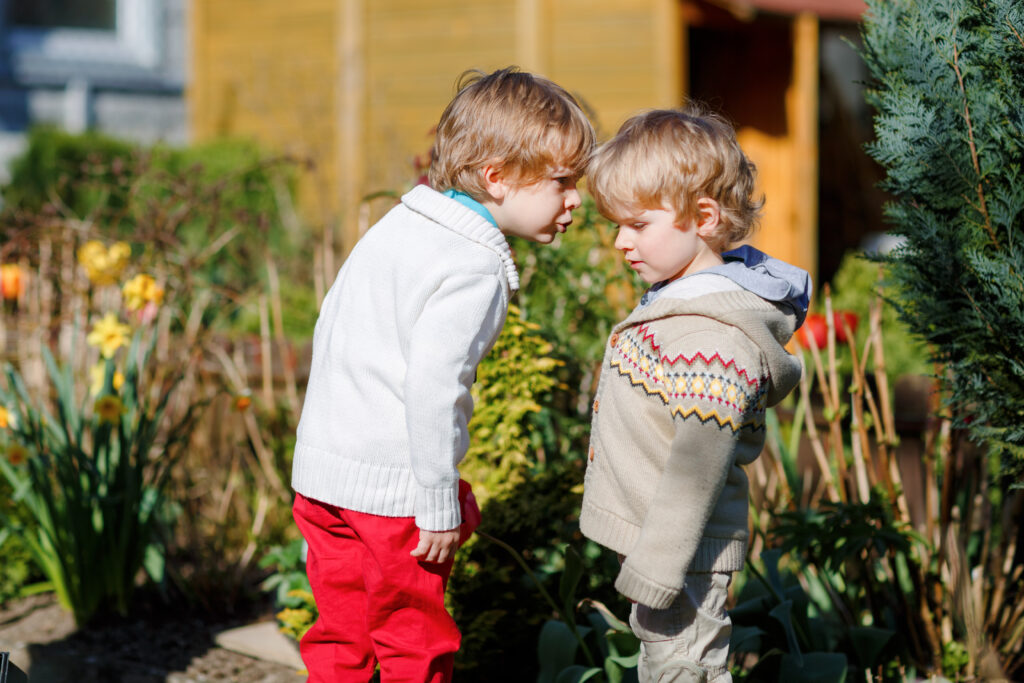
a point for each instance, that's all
(267, 70)
(357, 85)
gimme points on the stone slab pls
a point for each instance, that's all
(263, 641)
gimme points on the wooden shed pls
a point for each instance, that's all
(356, 85)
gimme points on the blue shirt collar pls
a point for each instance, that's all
(469, 202)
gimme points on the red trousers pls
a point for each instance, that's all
(377, 603)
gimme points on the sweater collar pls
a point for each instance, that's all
(464, 221)
(466, 200)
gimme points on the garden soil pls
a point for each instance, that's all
(42, 640)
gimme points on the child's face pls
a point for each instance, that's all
(661, 246)
(540, 210)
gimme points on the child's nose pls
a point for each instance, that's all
(622, 242)
(572, 199)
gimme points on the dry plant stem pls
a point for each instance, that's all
(1009, 547)
(318, 275)
(859, 442)
(264, 458)
(291, 393)
(815, 439)
(833, 370)
(266, 362)
(859, 457)
(982, 205)
(225, 496)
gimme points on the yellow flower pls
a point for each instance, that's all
(140, 290)
(97, 374)
(16, 454)
(5, 418)
(102, 265)
(109, 334)
(108, 409)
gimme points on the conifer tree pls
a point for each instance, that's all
(948, 90)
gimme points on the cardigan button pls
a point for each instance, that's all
(614, 339)
(596, 404)
(590, 455)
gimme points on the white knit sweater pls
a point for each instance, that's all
(419, 301)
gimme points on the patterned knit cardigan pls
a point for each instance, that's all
(680, 408)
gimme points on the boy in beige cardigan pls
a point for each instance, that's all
(685, 382)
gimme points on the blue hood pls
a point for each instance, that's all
(758, 273)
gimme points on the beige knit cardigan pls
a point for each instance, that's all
(680, 409)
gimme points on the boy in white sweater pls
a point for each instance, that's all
(685, 382)
(417, 304)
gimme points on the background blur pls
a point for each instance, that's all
(355, 86)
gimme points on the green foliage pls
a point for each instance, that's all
(948, 80)
(863, 561)
(576, 289)
(92, 483)
(790, 636)
(608, 647)
(290, 586)
(218, 206)
(529, 438)
(854, 285)
(511, 381)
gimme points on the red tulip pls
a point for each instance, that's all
(814, 326)
(851, 321)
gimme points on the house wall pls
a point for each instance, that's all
(357, 85)
(268, 70)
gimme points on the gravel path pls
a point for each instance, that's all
(42, 640)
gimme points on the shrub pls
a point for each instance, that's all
(948, 80)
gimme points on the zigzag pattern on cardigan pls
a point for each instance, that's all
(736, 400)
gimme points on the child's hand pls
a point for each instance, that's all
(436, 546)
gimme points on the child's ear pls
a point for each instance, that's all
(494, 181)
(709, 217)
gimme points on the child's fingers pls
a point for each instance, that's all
(436, 546)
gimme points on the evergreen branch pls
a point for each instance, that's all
(1013, 29)
(970, 139)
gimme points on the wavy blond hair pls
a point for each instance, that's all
(522, 123)
(670, 158)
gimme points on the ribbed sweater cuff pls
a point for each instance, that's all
(643, 590)
(438, 509)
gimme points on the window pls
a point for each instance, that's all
(45, 14)
(100, 41)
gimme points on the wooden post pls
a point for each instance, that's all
(668, 54)
(803, 106)
(532, 35)
(351, 157)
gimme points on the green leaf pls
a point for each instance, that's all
(815, 667)
(868, 643)
(556, 650)
(782, 613)
(577, 674)
(570, 579)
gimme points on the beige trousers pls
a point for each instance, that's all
(688, 642)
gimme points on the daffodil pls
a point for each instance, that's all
(108, 409)
(141, 290)
(109, 334)
(16, 454)
(97, 374)
(103, 265)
